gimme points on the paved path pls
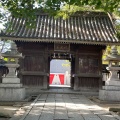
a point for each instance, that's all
(65, 107)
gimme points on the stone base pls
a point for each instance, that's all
(12, 94)
(109, 95)
(10, 85)
(111, 88)
(113, 82)
(11, 80)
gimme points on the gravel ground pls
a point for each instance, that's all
(9, 111)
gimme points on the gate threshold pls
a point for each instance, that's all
(63, 86)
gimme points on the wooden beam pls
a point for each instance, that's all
(34, 73)
(87, 75)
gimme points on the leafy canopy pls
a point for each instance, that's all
(27, 8)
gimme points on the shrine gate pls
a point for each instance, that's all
(80, 39)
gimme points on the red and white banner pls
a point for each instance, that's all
(56, 79)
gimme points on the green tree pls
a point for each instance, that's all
(27, 8)
(107, 52)
(117, 24)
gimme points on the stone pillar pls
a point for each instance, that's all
(72, 81)
(104, 77)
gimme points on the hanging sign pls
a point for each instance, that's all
(61, 47)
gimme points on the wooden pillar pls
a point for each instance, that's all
(76, 84)
(45, 82)
(21, 68)
(0, 76)
(72, 73)
(45, 78)
(100, 68)
(21, 60)
(76, 80)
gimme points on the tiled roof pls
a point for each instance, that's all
(87, 28)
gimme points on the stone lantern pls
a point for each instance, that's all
(111, 90)
(11, 89)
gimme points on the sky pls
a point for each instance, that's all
(3, 19)
(1, 26)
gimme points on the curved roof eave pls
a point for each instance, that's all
(60, 41)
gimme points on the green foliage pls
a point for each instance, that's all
(106, 5)
(27, 8)
(118, 49)
(68, 10)
(21, 8)
(66, 64)
(107, 52)
(64, 13)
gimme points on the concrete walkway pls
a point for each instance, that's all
(65, 107)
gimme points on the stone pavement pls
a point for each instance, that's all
(65, 107)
